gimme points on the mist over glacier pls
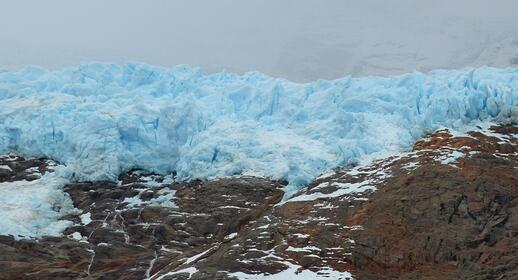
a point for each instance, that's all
(302, 40)
(103, 119)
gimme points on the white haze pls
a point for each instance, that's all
(300, 40)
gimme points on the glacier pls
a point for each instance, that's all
(32, 209)
(102, 119)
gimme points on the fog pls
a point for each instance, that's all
(300, 40)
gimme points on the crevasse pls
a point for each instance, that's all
(102, 119)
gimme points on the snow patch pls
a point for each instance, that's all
(342, 190)
(303, 249)
(164, 200)
(296, 272)
(231, 236)
(190, 270)
(86, 218)
(5, 167)
(76, 235)
(450, 158)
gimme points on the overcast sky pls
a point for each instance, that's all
(297, 39)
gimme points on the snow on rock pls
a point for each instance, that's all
(451, 157)
(101, 119)
(295, 272)
(86, 218)
(190, 270)
(76, 235)
(164, 200)
(342, 190)
(5, 167)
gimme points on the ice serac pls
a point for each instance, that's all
(101, 119)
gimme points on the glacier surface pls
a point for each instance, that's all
(102, 119)
(34, 208)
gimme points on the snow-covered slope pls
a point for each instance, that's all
(101, 119)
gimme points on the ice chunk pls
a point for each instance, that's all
(33, 208)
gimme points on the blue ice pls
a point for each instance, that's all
(102, 119)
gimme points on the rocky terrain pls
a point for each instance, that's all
(448, 209)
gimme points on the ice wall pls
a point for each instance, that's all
(101, 119)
